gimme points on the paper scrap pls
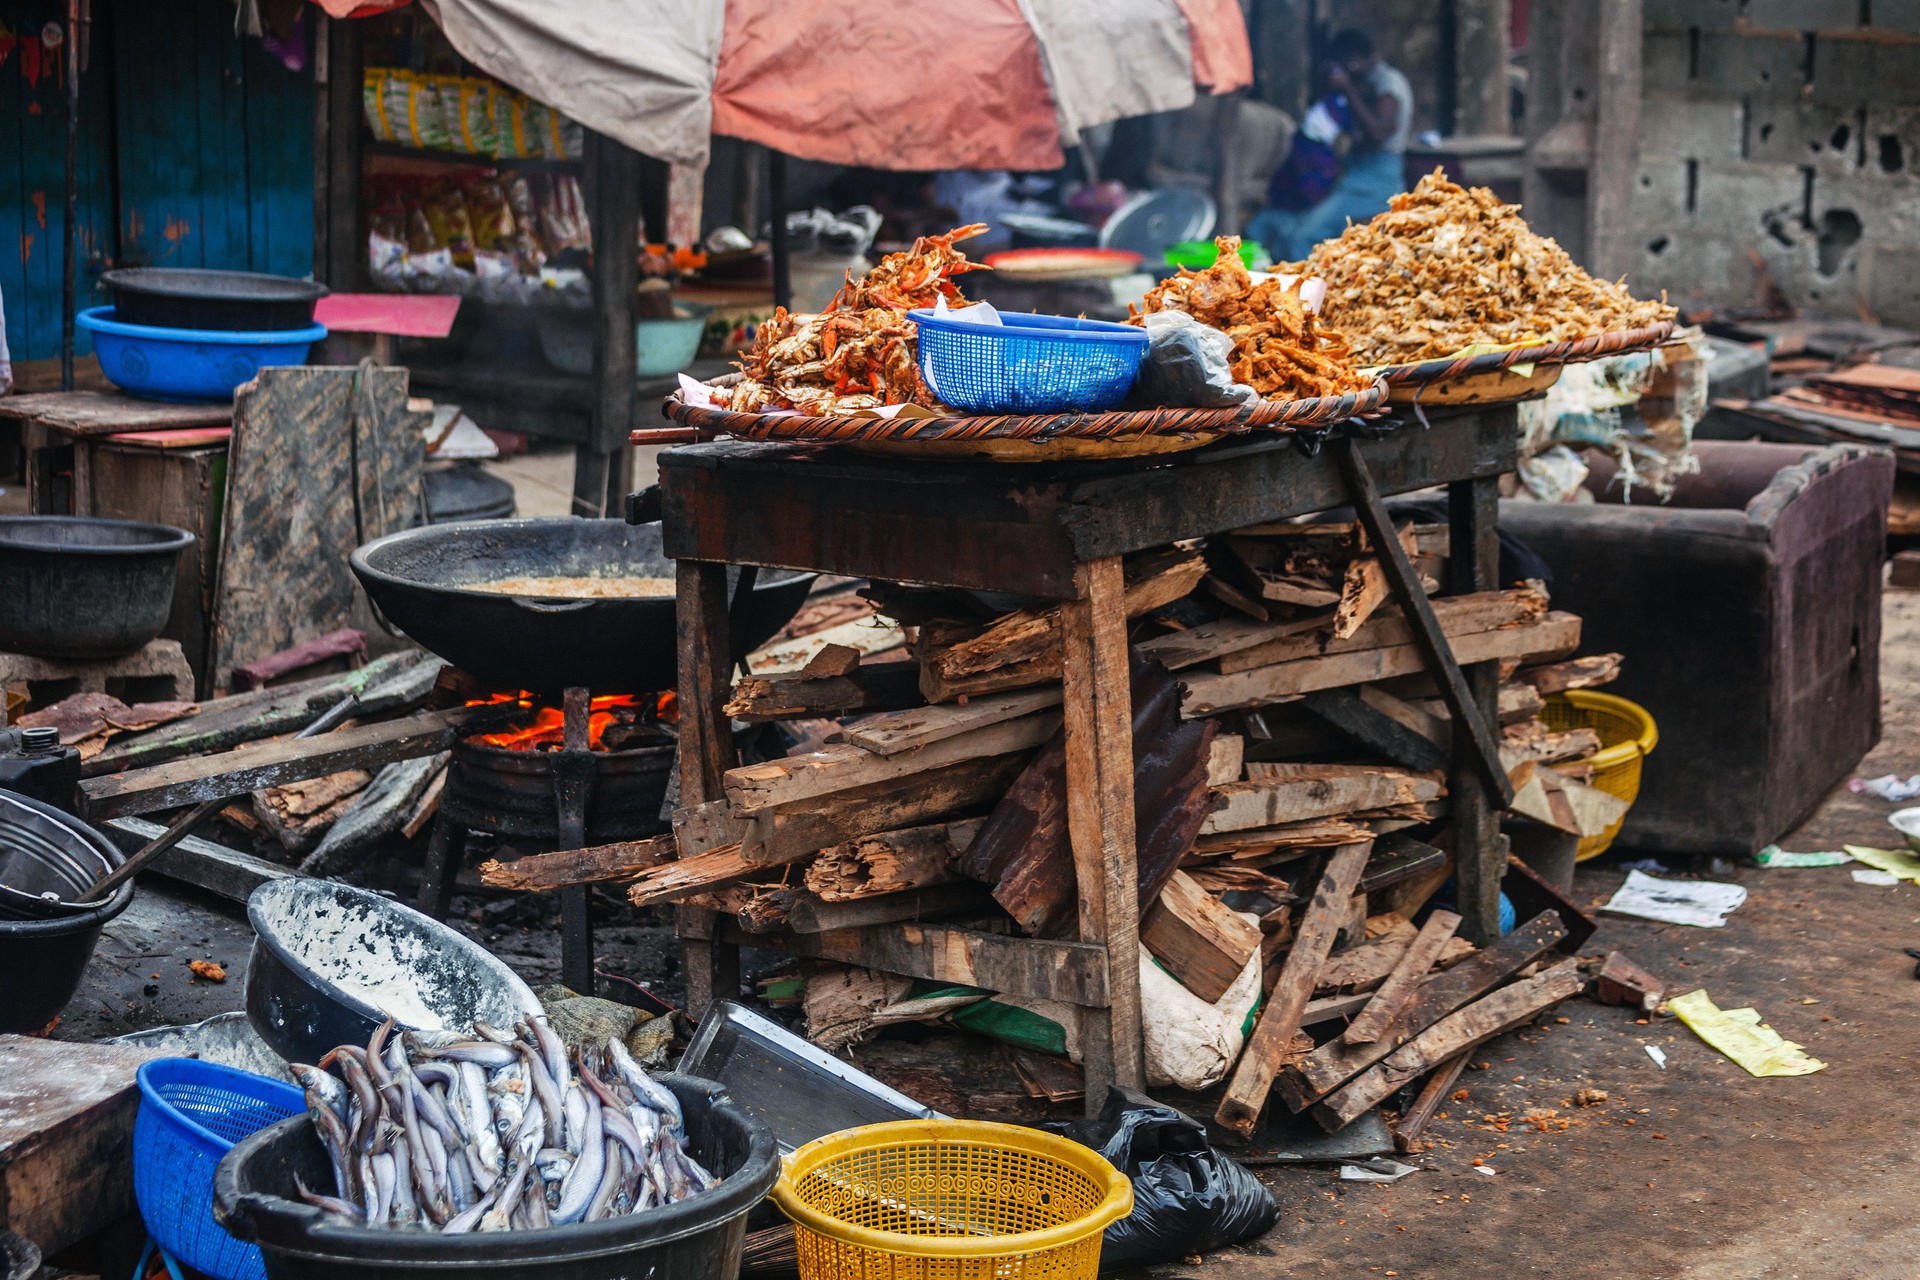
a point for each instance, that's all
(1489, 1170)
(1899, 862)
(1774, 856)
(1741, 1035)
(1873, 875)
(1658, 1055)
(1378, 1169)
(1888, 786)
(1704, 903)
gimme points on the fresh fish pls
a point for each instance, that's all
(376, 1051)
(431, 1109)
(553, 1163)
(497, 1218)
(444, 1074)
(612, 1178)
(577, 1190)
(538, 1214)
(432, 1038)
(575, 1109)
(327, 1087)
(483, 1053)
(478, 1116)
(494, 1034)
(469, 1218)
(377, 1201)
(553, 1050)
(645, 1087)
(332, 1204)
(547, 1092)
(333, 1136)
(365, 1104)
(405, 1209)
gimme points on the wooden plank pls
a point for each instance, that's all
(705, 753)
(779, 835)
(891, 861)
(1203, 942)
(1370, 727)
(1100, 818)
(267, 764)
(1226, 759)
(1211, 694)
(66, 1130)
(1575, 673)
(685, 877)
(596, 864)
(1211, 641)
(1327, 1067)
(1458, 616)
(899, 731)
(1457, 1033)
(876, 686)
(1276, 793)
(1473, 513)
(1399, 986)
(1072, 972)
(1407, 1131)
(834, 769)
(812, 914)
(1247, 1091)
(1366, 587)
(201, 863)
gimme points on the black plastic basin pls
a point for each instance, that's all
(197, 298)
(698, 1238)
(43, 953)
(85, 587)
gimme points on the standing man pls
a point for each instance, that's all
(1378, 104)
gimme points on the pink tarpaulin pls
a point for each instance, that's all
(404, 315)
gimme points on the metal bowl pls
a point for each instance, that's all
(1907, 823)
(84, 586)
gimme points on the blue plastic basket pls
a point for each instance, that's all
(1029, 364)
(191, 1113)
(193, 365)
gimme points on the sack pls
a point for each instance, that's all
(1187, 1197)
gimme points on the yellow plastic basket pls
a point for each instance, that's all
(952, 1199)
(1627, 736)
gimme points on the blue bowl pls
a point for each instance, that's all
(1029, 363)
(191, 365)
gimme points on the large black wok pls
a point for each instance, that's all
(418, 577)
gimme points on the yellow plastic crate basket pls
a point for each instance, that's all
(1627, 736)
(952, 1199)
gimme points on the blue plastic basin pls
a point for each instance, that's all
(188, 364)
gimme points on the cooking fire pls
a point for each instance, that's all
(614, 722)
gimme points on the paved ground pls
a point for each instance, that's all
(1694, 1172)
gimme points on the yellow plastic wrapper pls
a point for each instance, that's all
(1741, 1035)
(1897, 862)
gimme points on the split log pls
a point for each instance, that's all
(1324, 1070)
(1023, 850)
(299, 813)
(1027, 641)
(1458, 616)
(1363, 588)
(1457, 1033)
(1267, 1051)
(835, 769)
(881, 686)
(1210, 694)
(756, 908)
(891, 861)
(899, 731)
(1276, 793)
(1398, 987)
(685, 877)
(972, 786)
(1203, 942)
(600, 864)
(1575, 673)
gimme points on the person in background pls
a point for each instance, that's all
(1368, 108)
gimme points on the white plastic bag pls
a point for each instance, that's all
(1187, 365)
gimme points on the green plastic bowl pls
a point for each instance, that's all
(1198, 255)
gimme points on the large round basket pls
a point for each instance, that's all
(1484, 378)
(1031, 437)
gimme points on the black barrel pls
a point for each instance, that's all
(85, 587)
(198, 298)
(699, 1238)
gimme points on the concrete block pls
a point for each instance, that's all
(1802, 15)
(1659, 194)
(1755, 66)
(1902, 16)
(1679, 15)
(1664, 62)
(1823, 135)
(1893, 139)
(1893, 285)
(1888, 206)
(1861, 68)
(1697, 127)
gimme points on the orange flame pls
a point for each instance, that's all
(548, 725)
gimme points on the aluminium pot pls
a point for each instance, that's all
(699, 1238)
(83, 586)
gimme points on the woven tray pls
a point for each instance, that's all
(1261, 414)
(1449, 368)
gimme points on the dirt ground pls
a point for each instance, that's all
(1692, 1172)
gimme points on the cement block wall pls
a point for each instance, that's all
(1779, 154)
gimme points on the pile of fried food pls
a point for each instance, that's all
(860, 352)
(1448, 267)
(1280, 348)
(498, 1131)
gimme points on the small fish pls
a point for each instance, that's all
(575, 1109)
(328, 1087)
(612, 1178)
(553, 1050)
(469, 1218)
(497, 1218)
(332, 1204)
(553, 1163)
(583, 1180)
(484, 1053)
(547, 1092)
(645, 1087)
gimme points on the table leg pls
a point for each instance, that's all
(706, 753)
(1099, 729)
(1480, 854)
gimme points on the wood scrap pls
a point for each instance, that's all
(756, 908)
(1456, 1033)
(831, 661)
(1363, 967)
(898, 731)
(88, 721)
(1248, 845)
(426, 807)
(1621, 981)
(1457, 615)
(810, 913)
(1575, 673)
(599, 864)
(1226, 759)
(373, 814)
(1364, 587)
(1276, 793)
(971, 786)
(1203, 943)
(1268, 1049)
(885, 686)
(1399, 985)
(299, 813)
(1023, 850)
(1214, 640)
(891, 861)
(1369, 726)
(1407, 1130)
(1335, 1062)
(1224, 877)
(1234, 598)
(671, 881)
(1532, 740)
(1563, 803)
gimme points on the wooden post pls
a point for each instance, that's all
(1616, 136)
(342, 253)
(706, 753)
(1099, 733)
(600, 471)
(1480, 855)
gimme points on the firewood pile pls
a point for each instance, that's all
(1291, 812)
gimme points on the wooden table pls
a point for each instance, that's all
(1057, 532)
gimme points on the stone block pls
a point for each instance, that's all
(1769, 65)
(1902, 16)
(1823, 135)
(1893, 139)
(1665, 62)
(1857, 69)
(1801, 15)
(1892, 280)
(1679, 15)
(1690, 126)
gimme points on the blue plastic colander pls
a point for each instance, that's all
(1029, 363)
(191, 1113)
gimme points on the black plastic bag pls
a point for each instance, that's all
(1188, 1198)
